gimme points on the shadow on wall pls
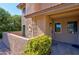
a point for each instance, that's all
(5, 40)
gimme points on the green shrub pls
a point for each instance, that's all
(40, 45)
(0, 35)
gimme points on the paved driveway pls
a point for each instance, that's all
(60, 48)
(4, 50)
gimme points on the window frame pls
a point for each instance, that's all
(75, 29)
(60, 28)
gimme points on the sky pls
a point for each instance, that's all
(11, 8)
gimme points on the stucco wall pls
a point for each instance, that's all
(39, 25)
(19, 33)
(48, 26)
(28, 26)
(14, 42)
(34, 7)
(23, 22)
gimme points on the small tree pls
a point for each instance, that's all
(16, 22)
(4, 19)
(8, 22)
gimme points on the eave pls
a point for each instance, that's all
(60, 8)
(21, 6)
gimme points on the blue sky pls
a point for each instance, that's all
(11, 8)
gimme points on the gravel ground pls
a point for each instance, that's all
(60, 48)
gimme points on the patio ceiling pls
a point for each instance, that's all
(66, 14)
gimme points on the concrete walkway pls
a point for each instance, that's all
(60, 48)
(4, 50)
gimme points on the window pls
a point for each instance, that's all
(72, 27)
(23, 30)
(57, 27)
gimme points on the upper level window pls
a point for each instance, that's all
(57, 27)
(72, 27)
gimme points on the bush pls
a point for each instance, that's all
(0, 35)
(40, 45)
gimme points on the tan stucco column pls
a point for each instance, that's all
(27, 22)
(49, 26)
(41, 25)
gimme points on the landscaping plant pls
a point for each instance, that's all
(40, 45)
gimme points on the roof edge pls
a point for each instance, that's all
(21, 6)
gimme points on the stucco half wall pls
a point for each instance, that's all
(14, 42)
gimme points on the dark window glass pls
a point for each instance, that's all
(23, 30)
(72, 27)
(57, 27)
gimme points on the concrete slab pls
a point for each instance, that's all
(60, 48)
(4, 50)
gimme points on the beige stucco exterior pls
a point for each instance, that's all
(37, 19)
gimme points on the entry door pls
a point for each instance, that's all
(72, 32)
